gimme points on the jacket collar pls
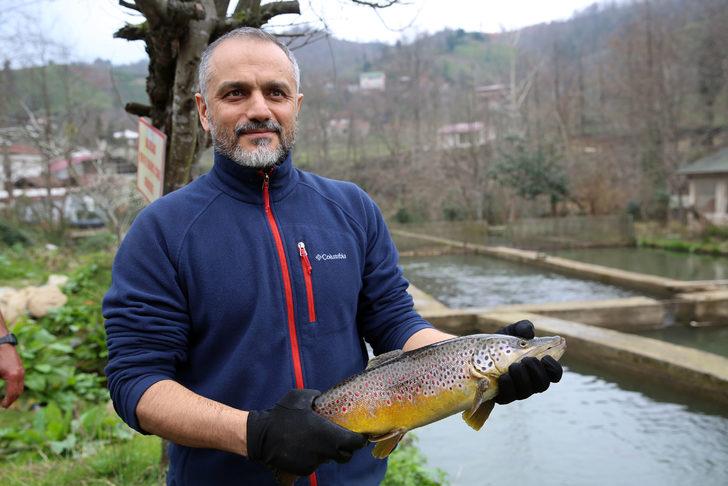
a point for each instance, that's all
(246, 183)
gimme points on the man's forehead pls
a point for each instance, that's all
(237, 53)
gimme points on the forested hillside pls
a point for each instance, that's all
(589, 115)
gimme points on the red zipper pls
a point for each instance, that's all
(307, 268)
(295, 351)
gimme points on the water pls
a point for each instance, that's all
(584, 430)
(462, 281)
(711, 339)
(681, 266)
(592, 428)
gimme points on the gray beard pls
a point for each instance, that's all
(263, 156)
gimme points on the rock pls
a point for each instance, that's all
(37, 301)
(42, 299)
(13, 304)
(57, 280)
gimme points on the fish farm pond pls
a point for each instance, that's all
(593, 427)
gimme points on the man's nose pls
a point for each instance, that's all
(258, 107)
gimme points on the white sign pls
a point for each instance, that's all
(150, 161)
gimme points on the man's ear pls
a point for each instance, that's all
(299, 102)
(202, 111)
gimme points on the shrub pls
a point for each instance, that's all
(10, 235)
(719, 232)
(407, 467)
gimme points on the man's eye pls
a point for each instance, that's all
(234, 93)
(277, 93)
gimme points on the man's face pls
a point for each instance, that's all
(251, 104)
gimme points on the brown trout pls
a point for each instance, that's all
(400, 391)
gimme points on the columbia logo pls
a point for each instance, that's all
(329, 256)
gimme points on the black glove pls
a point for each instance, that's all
(291, 437)
(522, 329)
(530, 375)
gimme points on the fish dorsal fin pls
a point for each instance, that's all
(386, 443)
(384, 358)
(478, 413)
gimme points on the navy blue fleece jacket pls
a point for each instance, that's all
(203, 293)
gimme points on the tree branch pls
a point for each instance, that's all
(246, 5)
(270, 10)
(221, 7)
(129, 5)
(132, 32)
(254, 17)
(152, 9)
(138, 109)
(381, 4)
(185, 11)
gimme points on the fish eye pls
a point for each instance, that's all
(523, 343)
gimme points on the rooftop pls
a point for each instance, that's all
(715, 163)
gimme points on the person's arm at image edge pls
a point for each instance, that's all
(11, 369)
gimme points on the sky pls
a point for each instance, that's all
(84, 28)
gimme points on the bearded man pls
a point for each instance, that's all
(238, 296)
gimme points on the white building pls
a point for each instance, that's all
(708, 182)
(374, 80)
(24, 162)
(464, 135)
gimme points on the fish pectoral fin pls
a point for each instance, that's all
(476, 418)
(384, 358)
(386, 443)
(481, 408)
(388, 435)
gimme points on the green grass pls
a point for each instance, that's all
(31, 265)
(686, 246)
(135, 462)
(20, 266)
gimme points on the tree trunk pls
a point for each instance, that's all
(183, 140)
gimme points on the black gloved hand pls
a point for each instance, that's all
(522, 329)
(291, 437)
(530, 375)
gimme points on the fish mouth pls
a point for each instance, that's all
(553, 346)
